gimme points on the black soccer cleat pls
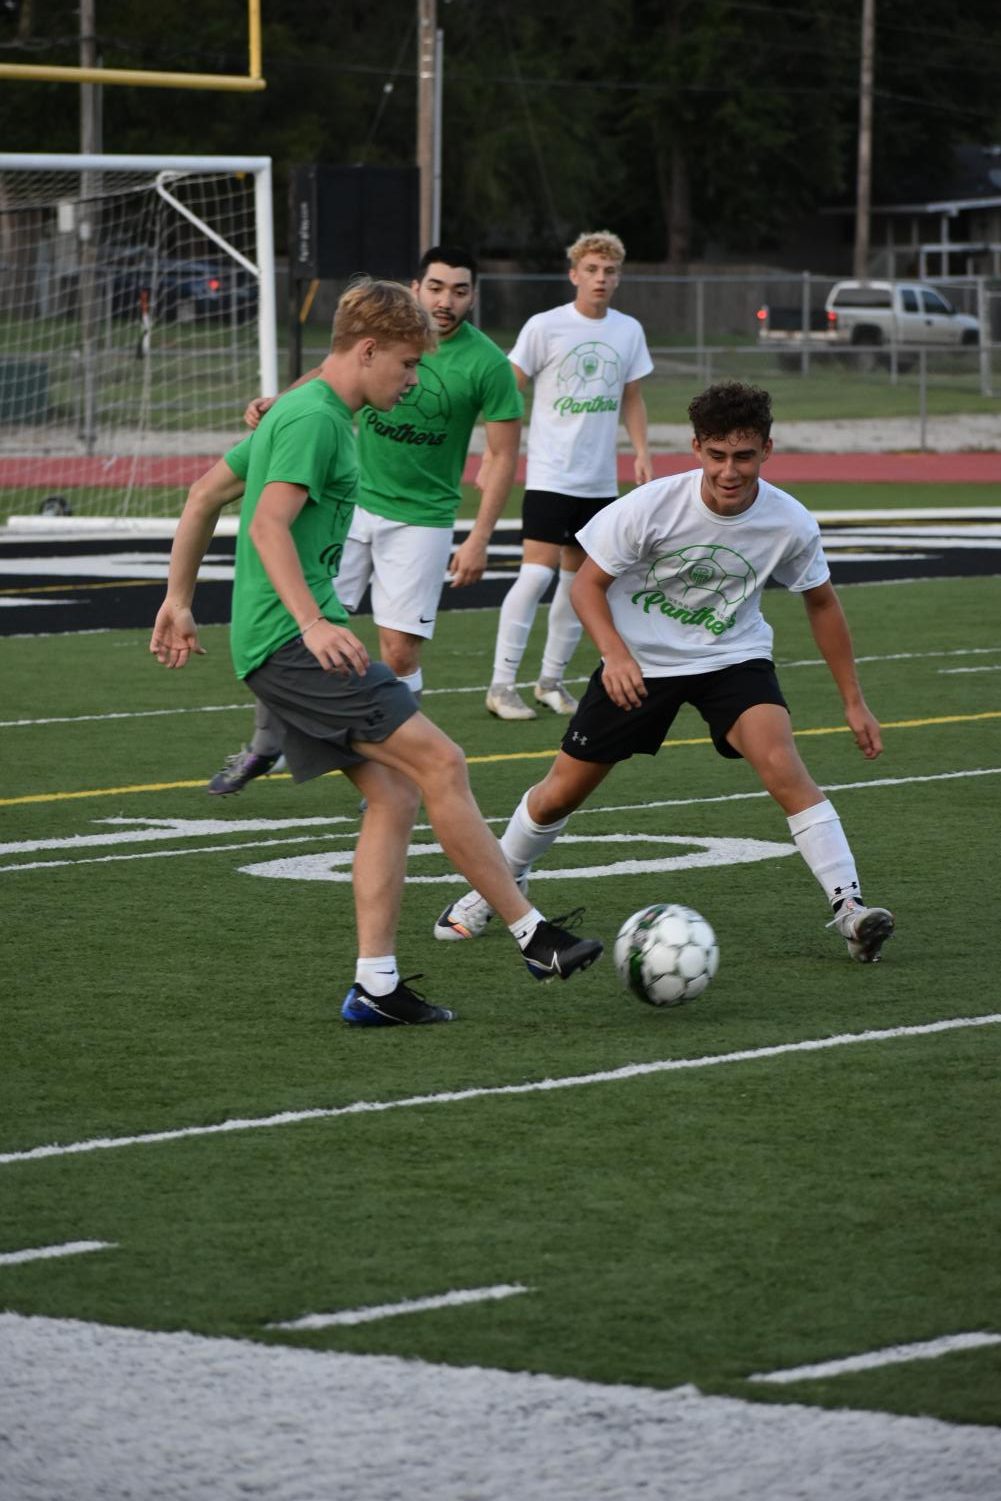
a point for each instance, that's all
(402, 1007)
(242, 768)
(553, 952)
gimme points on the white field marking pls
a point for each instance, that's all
(97, 1411)
(27, 846)
(409, 1305)
(20, 602)
(13, 724)
(42, 1253)
(498, 1091)
(701, 853)
(893, 1355)
(952, 671)
(150, 830)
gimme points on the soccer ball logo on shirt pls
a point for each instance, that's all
(590, 369)
(704, 574)
(429, 398)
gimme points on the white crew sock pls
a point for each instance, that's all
(268, 734)
(415, 682)
(377, 976)
(821, 841)
(524, 841)
(563, 633)
(524, 929)
(516, 617)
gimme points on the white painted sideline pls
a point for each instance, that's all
(377, 1311)
(929, 1349)
(97, 1413)
(496, 1091)
(42, 1253)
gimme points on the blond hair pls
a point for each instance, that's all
(385, 311)
(597, 242)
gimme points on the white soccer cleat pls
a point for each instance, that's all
(555, 696)
(504, 700)
(864, 929)
(464, 919)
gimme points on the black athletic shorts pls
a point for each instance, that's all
(321, 712)
(548, 517)
(601, 731)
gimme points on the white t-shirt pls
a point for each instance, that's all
(579, 366)
(688, 583)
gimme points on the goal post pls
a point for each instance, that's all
(137, 317)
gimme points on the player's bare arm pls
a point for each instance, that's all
(496, 478)
(620, 673)
(833, 638)
(175, 634)
(634, 419)
(334, 647)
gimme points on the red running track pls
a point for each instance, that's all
(782, 469)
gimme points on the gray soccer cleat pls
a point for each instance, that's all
(864, 929)
(504, 700)
(554, 695)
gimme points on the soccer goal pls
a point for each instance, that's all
(137, 318)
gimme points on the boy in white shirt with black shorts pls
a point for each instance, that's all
(670, 595)
(586, 362)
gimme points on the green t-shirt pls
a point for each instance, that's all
(306, 439)
(412, 457)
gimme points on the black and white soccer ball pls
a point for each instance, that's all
(666, 954)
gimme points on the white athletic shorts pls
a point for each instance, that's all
(405, 566)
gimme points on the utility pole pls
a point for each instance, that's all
(863, 183)
(427, 48)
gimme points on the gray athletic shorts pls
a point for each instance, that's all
(321, 713)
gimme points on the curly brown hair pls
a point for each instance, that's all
(731, 407)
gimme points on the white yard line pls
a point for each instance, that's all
(453, 1299)
(893, 1355)
(43, 1253)
(15, 724)
(496, 1091)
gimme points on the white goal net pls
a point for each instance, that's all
(137, 318)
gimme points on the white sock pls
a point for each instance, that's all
(377, 976)
(523, 930)
(563, 633)
(524, 841)
(415, 682)
(516, 617)
(821, 841)
(268, 734)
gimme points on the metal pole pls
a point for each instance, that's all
(805, 320)
(439, 73)
(87, 229)
(863, 193)
(923, 398)
(984, 318)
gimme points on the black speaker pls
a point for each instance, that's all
(343, 220)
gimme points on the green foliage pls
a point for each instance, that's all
(694, 129)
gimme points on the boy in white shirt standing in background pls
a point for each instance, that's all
(586, 361)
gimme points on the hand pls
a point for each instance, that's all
(643, 469)
(256, 409)
(336, 648)
(468, 563)
(623, 680)
(865, 727)
(175, 635)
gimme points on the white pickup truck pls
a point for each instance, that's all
(867, 314)
(897, 312)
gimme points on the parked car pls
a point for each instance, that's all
(868, 314)
(176, 289)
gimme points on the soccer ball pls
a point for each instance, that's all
(666, 954)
